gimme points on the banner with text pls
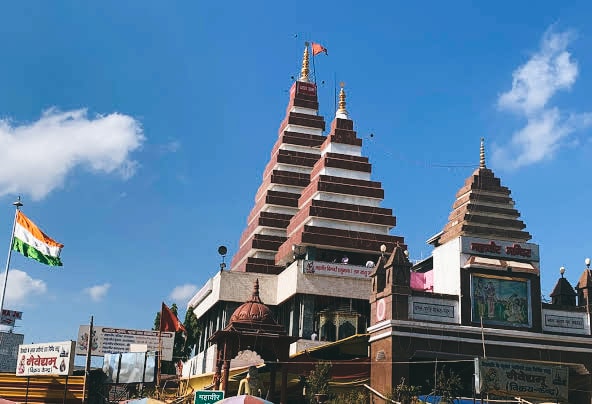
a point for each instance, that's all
(9, 317)
(117, 340)
(434, 309)
(566, 322)
(524, 379)
(208, 396)
(52, 358)
(500, 249)
(328, 268)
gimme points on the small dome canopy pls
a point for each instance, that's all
(563, 293)
(253, 310)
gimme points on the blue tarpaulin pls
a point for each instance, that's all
(437, 400)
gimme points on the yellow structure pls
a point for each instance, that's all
(41, 389)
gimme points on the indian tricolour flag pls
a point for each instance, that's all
(30, 241)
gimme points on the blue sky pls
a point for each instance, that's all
(137, 132)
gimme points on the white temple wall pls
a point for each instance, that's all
(447, 264)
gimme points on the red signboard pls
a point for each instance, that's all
(16, 315)
(306, 88)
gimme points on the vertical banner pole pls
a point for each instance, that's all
(27, 392)
(65, 390)
(88, 357)
(159, 348)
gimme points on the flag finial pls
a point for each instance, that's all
(482, 154)
(341, 111)
(256, 288)
(18, 202)
(305, 62)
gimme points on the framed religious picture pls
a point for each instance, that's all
(500, 300)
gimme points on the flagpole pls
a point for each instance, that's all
(335, 91)
(159, 348)
(17, 205)
(314, 69)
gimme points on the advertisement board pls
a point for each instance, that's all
(524, 379)
(9, 345)
(9, 317)
(50, 358)
(118, 340)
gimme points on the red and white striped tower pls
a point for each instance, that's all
(340, 209)
(285, 176)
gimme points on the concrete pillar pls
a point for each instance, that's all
(294, 315)
(307, 316)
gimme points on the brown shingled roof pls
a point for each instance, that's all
(484, 208)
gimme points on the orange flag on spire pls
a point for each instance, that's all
(318, 48)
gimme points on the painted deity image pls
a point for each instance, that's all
(500, 300)
(83, 341)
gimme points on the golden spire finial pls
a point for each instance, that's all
(482, 154)
(304, 71)
(341, 111)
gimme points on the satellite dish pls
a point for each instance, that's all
(222, 250)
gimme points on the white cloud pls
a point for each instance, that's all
(97, 292)
(21, 287)
(540, 138)
(36, 157)
(183, 293)
(549, 70)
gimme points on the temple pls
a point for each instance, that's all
(477, 311)
(312, 237)
(319, 247)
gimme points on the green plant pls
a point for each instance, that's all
(318, 380)
(352, 397)
(404, 393)
(448, 385)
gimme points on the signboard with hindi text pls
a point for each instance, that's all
(118, 340)
(208, 396)
(51, 358)
(334, 269)
(303, 88)
(500, 249)
(434, 309)
(523, 379)
(10, 316)
(566, 322)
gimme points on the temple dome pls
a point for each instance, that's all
(253, 310)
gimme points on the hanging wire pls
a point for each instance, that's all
(414, 162)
